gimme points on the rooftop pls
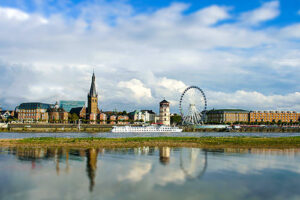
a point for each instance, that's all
(228, 111)
(34, 105)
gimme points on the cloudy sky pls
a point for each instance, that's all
(243, 54)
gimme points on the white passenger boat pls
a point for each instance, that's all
(145, 129)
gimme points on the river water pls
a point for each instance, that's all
(149, 173)
(11, 135)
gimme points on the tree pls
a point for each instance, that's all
(176, 119)
(74, 117)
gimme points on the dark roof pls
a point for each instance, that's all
(93, 92)
(76, 110)
(228, 111)
(34, 105)
(56, 110)
(149, 111)
(164, 101)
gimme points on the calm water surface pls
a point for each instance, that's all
(5, 135)
(149, 173)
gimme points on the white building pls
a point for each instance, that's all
(164, 113)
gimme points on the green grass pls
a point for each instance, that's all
(211, 142)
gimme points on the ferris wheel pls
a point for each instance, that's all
(192, 106)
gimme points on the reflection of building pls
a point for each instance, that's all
(164, 113)
(91, 166)
(33, 111)
(274, 116)
(164, 155)
(68, 105)
(227, 116)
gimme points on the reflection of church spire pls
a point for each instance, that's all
(164, 155)
(91, 166)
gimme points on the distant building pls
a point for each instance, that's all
(57, 114)
(79, 111)
(68, 105)
(103, 117)
(137, 116)
(274, 116)
(5, 114)
(149, 115)
(164, 113)
(33, 111)
(227, 116)
(122, 118)
(113, 118)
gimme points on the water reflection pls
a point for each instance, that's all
(164, 155)
(149, 169)
(91, 165)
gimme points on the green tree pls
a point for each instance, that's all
(74, 117)
(176, 119)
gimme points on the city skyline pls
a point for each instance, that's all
(242, 56)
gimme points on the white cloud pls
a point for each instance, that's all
(15, 14)
(267, 11)
(12, 14)
(136, 172)
(137, 90)
(211, 15)
(248, 100)
(139, 58)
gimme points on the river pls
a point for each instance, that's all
(149, 173)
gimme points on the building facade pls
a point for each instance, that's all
(274, 116)
(137, 116)
(149, 115)
(164, 113)
(34, 111)
(68, 105)
(57, 114)
(227, 116)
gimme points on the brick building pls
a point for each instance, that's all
(33, 111)
(57, 114)
(274, 116)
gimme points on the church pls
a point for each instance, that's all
(91, 112)
(92, 109)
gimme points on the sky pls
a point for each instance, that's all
(242, 54)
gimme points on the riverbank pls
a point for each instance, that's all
(107, 128)
(204, 142)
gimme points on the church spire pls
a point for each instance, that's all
(93, 92)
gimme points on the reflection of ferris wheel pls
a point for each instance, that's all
(192, 106)
(193, 162)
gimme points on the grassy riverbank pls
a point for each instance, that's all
(203, 142)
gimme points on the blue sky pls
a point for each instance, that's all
(244, 54)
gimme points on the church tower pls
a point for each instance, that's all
(92, 109)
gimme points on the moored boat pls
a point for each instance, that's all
(145, 129)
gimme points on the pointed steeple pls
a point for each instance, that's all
(93, 92)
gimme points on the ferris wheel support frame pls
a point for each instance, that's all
(197, 116)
